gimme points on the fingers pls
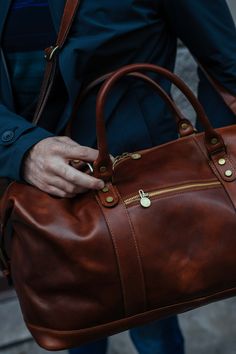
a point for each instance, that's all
(46, 166)
(65, 186)
(78, 178)
(71, 150)
(59, 192)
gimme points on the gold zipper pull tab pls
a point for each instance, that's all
(144, 199)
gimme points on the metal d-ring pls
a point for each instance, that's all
(49, 56)
(90, 167)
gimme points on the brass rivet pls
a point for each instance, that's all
(105, 189)
(109, 199)
(214, 141)
(221, 162)
(103, 169)
(228, 173)
(184, 126)
(136, 156)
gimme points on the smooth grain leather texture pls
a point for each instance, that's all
(91, 266)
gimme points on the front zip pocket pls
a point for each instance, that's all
(145, 198)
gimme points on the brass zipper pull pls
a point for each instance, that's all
(144, 199)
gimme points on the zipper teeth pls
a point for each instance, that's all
(120, 158)
(173, 189)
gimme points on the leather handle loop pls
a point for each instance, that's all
(103, 165)
(185, 127)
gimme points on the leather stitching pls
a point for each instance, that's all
(223, 183)
(140, 315)
(117, 255)
(137, 251)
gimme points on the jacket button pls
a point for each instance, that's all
(8, 135)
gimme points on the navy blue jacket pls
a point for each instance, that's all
(108, 34)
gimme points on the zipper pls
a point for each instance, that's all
(144, 198)
(125, 155)
(119, 158)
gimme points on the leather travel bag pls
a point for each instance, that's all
(158, 240)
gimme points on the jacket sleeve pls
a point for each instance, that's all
(208, 30)
(17, 136)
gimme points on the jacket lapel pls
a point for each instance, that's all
(56, 8)
(5, 85)
(4, 7)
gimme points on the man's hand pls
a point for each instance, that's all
(46, 166)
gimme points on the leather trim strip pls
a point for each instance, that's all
(51, 338)
(128, 257)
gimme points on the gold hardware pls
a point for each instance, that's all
(136, 156)
(159, 192)
(89, 166)
(103, 169)
(109, 199)
(75, 164)
(144, 199)
(105, 189)
(214, 141)
(184, 126)
(125, 155)
(228, 173)
(221, 162)
(119, 158)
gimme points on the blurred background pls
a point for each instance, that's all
(232, 4)
(208, 330)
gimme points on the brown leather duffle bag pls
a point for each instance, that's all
(158, 240)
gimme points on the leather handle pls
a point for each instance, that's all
(103, 164)
(185, 127)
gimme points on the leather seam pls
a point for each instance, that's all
(214, 170)
(137, 250)
(232, 162)
(222, 183)
(117, 255)
(200, 149)
(134, 316)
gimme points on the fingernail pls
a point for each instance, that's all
(101, 185)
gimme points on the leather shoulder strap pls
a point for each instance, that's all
(70, 9)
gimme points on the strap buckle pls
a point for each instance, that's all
(50, 52)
